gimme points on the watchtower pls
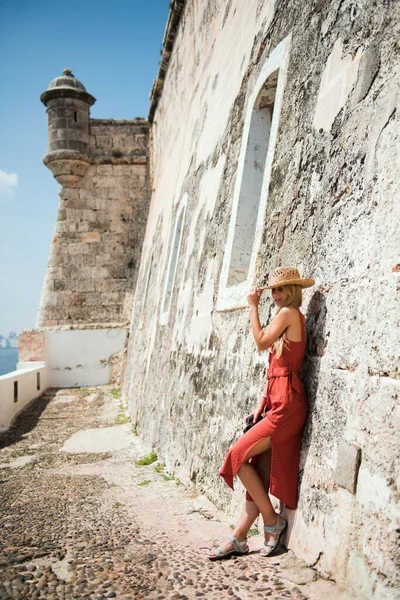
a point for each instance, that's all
(68, 109)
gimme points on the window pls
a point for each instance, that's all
(252, 181)
(146, 288)
(173, 263)
(15, 391)
(37, 381)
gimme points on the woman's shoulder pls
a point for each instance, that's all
(289, 311)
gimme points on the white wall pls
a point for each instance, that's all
(26, 379)
(82, 357)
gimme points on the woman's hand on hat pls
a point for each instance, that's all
(253, 298)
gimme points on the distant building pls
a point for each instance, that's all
(9, 341)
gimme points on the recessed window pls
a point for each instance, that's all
(173, 263)
(15, 391)
(38, 381)
(75, 117)
(252, 180)
(146, 288)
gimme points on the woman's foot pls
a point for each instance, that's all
(231, 546)
(272, 534)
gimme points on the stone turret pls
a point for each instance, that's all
(103, 169)
(68, 108)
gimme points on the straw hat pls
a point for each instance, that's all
(288, 276)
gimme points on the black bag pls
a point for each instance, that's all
(250, 422)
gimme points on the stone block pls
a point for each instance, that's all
(347, 466)
(103, 259)
(78, 248)
(103, 141)
(90, 236)
(104, 171)
(85, 286)
(99, 202)
(99, 273)
(111, 297)
(31, 346)
(110, 285)
(54, 272)
(59, 285)
(50, 298)
(88, 260)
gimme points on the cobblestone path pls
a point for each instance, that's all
(79, 518)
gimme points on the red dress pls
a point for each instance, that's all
(284, 422)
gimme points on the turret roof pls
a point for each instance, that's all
(67, 81)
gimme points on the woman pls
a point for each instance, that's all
(266, 458)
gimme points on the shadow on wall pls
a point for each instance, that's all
(316, 343)
(25, 421)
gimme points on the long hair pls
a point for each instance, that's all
(294, 298)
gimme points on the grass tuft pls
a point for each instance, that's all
(122, 419)
(118, 505)
(147, 460)
(252, 532)
(145, 482)
(115, 392)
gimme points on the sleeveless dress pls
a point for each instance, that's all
(286, 407)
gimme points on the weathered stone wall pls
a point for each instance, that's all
(332, 210)
(98, 236)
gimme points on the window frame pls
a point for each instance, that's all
(233, 297)
(180, 216)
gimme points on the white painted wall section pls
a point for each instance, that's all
(338, 79)
(18, 389)
(82, 357)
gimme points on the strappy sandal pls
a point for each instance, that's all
(238, 548)
(277, 529)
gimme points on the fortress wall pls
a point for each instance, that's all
(95, 250)
(331, 208)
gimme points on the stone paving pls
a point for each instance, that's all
(80, 519)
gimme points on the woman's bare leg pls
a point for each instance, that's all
(247, 517)
(250, 510)
(253, 483)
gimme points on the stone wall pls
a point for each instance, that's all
(98, 235)
(331, 185)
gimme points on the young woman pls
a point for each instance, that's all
(266, 458)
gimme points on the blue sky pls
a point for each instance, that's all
(113, 48)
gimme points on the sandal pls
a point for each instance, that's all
(238, 548)
(277, 529)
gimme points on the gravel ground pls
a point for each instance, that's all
(80, 519)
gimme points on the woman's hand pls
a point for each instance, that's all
(257, 411)
(254, 297)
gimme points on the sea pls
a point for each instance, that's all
(8, 360)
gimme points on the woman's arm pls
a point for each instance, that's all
(265, 339)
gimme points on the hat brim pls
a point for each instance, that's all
(304, 283)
